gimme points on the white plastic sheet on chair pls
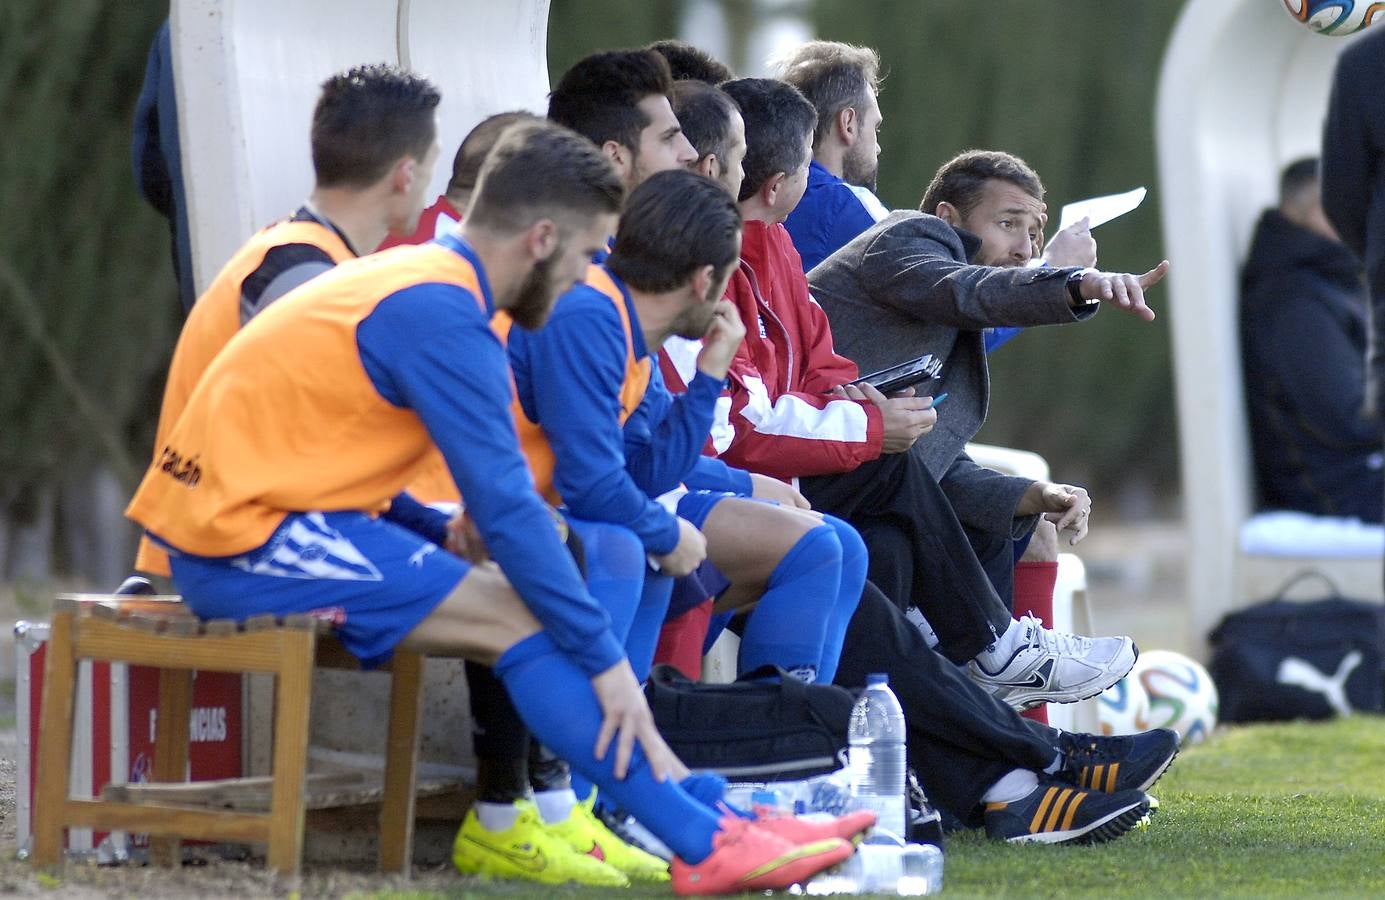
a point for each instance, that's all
(1243, 92)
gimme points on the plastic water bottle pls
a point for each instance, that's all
(909, 871)
(875, 755)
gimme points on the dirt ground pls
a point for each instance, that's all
(1135, 581)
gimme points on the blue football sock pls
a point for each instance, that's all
(556, 700)
(789, 624)
(710, 789)
(643, 638)
(854, 563)
(715, 626)
(616, 568)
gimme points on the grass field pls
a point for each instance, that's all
(1268, 811)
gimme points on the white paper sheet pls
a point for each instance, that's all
(1101, 209)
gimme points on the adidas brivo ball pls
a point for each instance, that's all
(1179, 694)
(1336, 17)
(1121, 707)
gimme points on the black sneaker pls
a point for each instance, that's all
(1062, 814)
(1123, 763)
(135, 586)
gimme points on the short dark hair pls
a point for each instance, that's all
(1297, 177)
(466, 165)
(962, 179)
(538, 169)
(366, 119)
(688, 62)
(674, 223)
(833, 76)
(777, 119)
(705, 113)
(598, 97)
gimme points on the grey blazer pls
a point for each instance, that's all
(904, 288)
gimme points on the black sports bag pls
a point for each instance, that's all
(1284, 659)
(750, 730)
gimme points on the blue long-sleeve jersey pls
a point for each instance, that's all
(569, 375)
(430, 348)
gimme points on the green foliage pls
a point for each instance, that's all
(579, 27)
(87, 304)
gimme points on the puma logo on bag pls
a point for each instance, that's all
(1301, 673)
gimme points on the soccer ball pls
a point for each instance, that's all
(1121, 706)
(1336, 17)
(1180, 695)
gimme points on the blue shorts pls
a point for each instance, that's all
(706, 581)
(374, 579)
(696, 506)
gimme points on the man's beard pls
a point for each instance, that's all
(860, 172)
(536, 295)
(693, 323)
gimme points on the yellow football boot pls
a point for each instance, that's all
(528, 851)
(586, 834)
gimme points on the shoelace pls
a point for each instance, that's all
(1059, 642)
(1083, 753)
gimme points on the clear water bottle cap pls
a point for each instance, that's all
(875, 678)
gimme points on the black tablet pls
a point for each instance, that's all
(908, 374)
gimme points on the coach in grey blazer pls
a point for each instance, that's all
(905, 288)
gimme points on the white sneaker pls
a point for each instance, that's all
(1038, 665)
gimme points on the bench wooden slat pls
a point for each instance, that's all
(262, 622)
(325, 790)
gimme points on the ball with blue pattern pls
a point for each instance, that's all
(1337, 18)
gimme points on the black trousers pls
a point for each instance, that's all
(920, 553)
(961, 740)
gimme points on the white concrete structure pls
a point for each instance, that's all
(1243, 91)
(248, 73)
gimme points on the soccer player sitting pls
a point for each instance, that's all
(374, 146)
(268, 490)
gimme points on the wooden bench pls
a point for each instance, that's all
(163, 633)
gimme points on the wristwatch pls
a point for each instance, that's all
(1075, 289)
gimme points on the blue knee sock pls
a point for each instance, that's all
(641, 638)
(709, 789)
(615, 565)
(788, 625)
(555, 699)
(715, 626)
(854, 563)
